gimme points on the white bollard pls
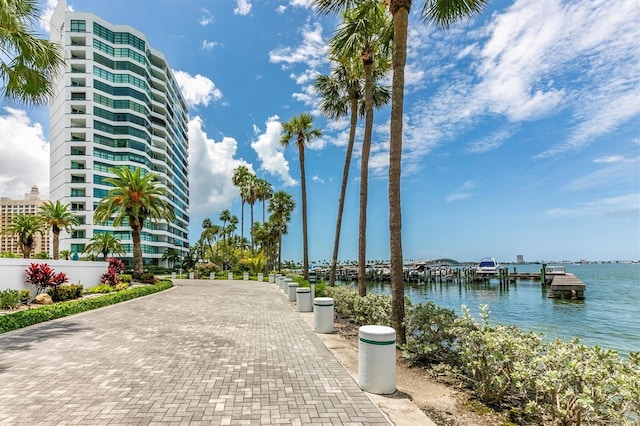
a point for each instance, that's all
(173, 275)
(303, 299)
(191, 275)
(285, 285)
(245, 276)
(292, 290)
(313, 295)
(212, 276)
(377, 359)
(260, 277)
(230, 276)
(323, 315)
(272, 278)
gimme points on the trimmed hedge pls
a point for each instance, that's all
(29, 317)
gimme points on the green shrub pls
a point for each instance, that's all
(430, 338)
(102, 288)
(576, 384)
(29, 317)
(494, 359)
(146, 278)
(204, 270)
(371, 309)
(125, 278)
(9, 299)
(25, 296)
(65, 292)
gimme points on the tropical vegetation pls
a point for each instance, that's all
(300, 128)
(26, 227)
(28, 63)
(57, 217)
(104, 243)
(134, 199)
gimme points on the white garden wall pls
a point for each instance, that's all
(13, 276)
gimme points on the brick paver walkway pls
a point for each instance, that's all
(222, 352)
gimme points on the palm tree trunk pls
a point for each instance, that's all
(400, 11)
(137, 249)
(242, 221)
(56, 244)
(364, 174)
(343, 189)
(253, 249)
(305, 243)
(280, 252)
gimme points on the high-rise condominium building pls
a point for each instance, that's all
(117, 104)
(9, 208)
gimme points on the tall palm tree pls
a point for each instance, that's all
(301, 128)
(28, 64)
(443, 13)
(225, 216)
(250, 194)
(25, 226)
(57, 217)
(135, 198)
(365, 32)
(239, 179)
(209, 234)
(281, 207)
(264, 193)
(105, 243)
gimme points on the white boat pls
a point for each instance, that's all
(488, 265)
(554, 270)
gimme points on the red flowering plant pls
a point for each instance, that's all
(42, 276)
(112, 276)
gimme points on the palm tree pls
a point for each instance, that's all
(264, 192)
(443, 13)
(135, 198)
(250, 195)
(66, 254)
(239, 178)
(32, 63)
(105, 243)
(301, 127)
(57, 217)
(25, 226)
(281, 207)
(365, 32)
(209, 235)
(172, 256)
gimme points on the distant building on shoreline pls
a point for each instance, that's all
(117, 104)
(9, 208)
(520, 258)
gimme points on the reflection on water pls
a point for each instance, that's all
(608, 317)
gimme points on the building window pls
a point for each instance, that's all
(78, 26)
(78, 192)
(77, 248)
(78, 234)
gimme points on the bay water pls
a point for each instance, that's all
(609, 316)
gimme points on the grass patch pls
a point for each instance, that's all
(29, 317)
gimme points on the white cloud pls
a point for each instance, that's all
(609, 159)
(317, 178)
(244, 7)
(312, 51)
(197, 90)
(270, 152)
(25, 155)
(208, 45)
(300, 3)
(462, 192)
(207, 18)
(280, 9)
(211, 166)
(620, 206)
(613, 174)
(491, 142)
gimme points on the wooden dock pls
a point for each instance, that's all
(567, 286)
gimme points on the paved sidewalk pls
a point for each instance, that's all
(204, 352)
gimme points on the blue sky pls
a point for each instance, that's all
(522, 127)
